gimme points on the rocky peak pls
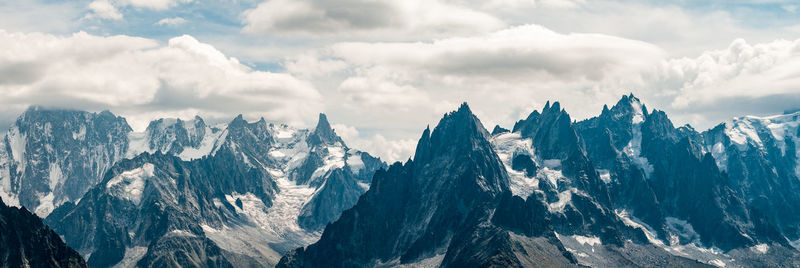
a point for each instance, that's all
(498, 130)
(552, 132)
(451, 186)
(628, 108)
(457, 131)
(238, 122)
(323, 133)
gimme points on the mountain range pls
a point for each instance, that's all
(182, 193)
(624, 188)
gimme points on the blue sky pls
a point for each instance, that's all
(382, 70)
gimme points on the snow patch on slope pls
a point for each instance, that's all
(507, 146)
(17, 142)
(605, 175)
(333, 160)
(80, 135)
(760, 248)
(634, 148)
(132, 256)
(130, 184)
(681, 231)
(46, 204)
(632, 221)
(55, 176)
(720, 156)
(207, 145)
(6, 193)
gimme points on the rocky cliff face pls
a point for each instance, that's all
(625, 188)
(49, 157)
(26, 242)
(760, 157)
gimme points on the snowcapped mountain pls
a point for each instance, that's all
(49, 157)
(625, 188)
(241, 194)
(761, 156)
(186, 139)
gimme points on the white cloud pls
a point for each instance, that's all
(740, 71)
(109, 9)
(137, 76)
(104, 10)
(377, 145)
(171, 21)
(366, 19)
(153, 4)
(503, 75)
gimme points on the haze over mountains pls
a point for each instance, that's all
(625, 188)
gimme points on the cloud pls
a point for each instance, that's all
(104, 10)
(503, 75)
(153, 4)
(171, 21)
(140, 78)
(368, 19)
(377, 145)
(741, 71)
(109, 9)
(519, 52)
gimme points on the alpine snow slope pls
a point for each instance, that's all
(240, 194)
(623, 189)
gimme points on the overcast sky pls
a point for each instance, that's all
(383, 70)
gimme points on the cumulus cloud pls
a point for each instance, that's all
(140, 78)
(104, 10)
(376, 144)
(366, 19)
(739, 72)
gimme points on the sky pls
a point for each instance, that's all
(384, 70)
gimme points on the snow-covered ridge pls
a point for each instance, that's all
(759, 133)
(750, 129)
(194, 138)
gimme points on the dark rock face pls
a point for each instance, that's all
(26, 242)
(414, 211)
(159, 202)
(524, 163)
(499, 130)
(452, 207)
(339, 192)
(663, 172)
(759, 156)
(53, 156)
(626, 188)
